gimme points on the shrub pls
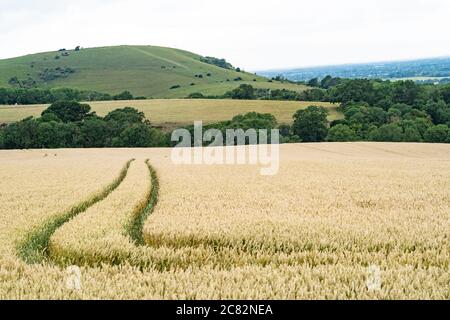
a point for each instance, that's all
(124, 95)
(222, 63)
(195, 95)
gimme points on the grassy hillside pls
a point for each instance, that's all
(174, 112)
(144, 70)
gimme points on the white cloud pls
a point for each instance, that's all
(254, 34)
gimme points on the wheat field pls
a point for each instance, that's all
(333, 214)
(170, 113)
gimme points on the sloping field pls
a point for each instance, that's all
(335, 217)
(173, 112)
(148, 71)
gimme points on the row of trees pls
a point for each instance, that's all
(13, 96)
(377, 93)
(365, 124)
(69, 124)
(373, 109)
(360, 124)
(251, 120)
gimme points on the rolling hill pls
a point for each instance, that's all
(153, 72)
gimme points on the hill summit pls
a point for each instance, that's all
(150, 71)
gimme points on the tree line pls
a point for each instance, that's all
(374, 110)
(69, 124)
(12, 96)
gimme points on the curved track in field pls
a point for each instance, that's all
(134, 229)
(34, 248)
(97, 242)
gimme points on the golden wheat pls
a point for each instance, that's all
(223, 232)
(99, 233)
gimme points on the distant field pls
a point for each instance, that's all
(419, 78)
(219, 88)
(148, 71)
(171, 112)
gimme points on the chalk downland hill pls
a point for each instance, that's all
(153, 72)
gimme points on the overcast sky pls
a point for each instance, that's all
(253, 34)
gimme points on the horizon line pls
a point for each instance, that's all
(353, 63)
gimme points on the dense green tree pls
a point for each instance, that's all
(351, 109)
(285, 130)
(47, 135)
(120, 119)
(124, 95)
(358, 90)
(411, 134)
(312, 95)
(388, 132)
(394, 115)
(403, 108)
(69, 111)
(40, 96)
(283, 94)
(415, 113)
(311, 124)
(328, 82)
(243, 92)
(445, 93)
(253, 120)
(410, 131)
(140, 135)
(368, 115)
(2, 138)
(422, 125)
(49, 116)
(21, 135)
(53, 134)
(95, 133)
(222, 63)
(341, 132)
(438, 133)
(126, 115)
(438, 110)
(407, 92)
(313, 82)
(196, 95)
